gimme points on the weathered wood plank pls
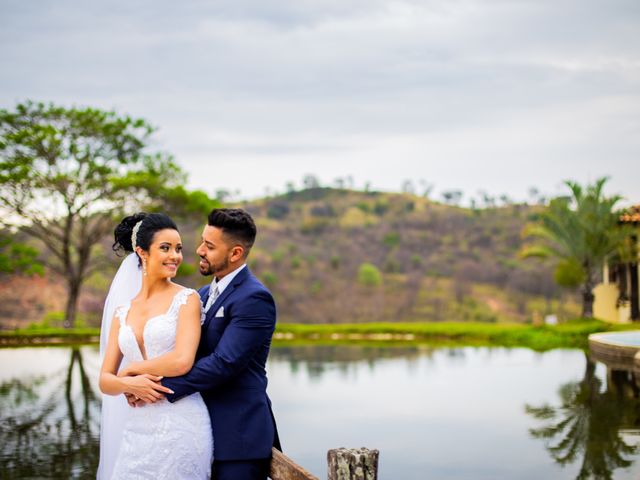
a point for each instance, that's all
(283, 468)
(353, 464)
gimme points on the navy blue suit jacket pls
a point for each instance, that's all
(229, 370)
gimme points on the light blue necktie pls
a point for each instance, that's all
(213, 294)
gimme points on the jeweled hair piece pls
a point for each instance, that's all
(134, 234)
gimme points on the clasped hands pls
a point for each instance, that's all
(142, 388)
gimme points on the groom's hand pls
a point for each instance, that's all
(131, 399)
(146, 388)
(134, 401)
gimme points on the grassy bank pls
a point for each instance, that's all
(570, 334)
(49, 336)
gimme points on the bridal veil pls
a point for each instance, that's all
(126, 285)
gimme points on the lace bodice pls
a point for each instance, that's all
(159, 333)
(162, 440)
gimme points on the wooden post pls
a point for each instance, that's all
(283, 468)
(353, 464)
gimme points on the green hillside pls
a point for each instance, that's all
(437, 262)
(342, 256)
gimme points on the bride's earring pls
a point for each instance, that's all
(144, 267)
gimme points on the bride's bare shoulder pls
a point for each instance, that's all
(188, 292)
(178, 288)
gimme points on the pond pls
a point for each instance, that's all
(434, 413)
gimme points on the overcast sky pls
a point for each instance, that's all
(493, 95)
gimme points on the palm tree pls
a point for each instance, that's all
(587, 425)
(580, 231)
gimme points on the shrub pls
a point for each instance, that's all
(314, 225)
(391, 265)
(369, 275)
(364, 206)
(316, 287)
(278, 210)
(380, 207)
(353, 217)
(56, 320)
(569, 273)
(51, 319)
(296, 261)
(391, 239)
(277, 256)
(270, 279)
(324, 210)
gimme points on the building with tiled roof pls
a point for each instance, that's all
(617, 298)
(632, 215)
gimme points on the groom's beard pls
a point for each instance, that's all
(213, 268)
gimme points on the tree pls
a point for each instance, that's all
(67, 173)
(408, 187)
(452, 197)
(580, 231)
(369, 275)
(223, 194)
(16, 257)
(310, 181)
(589, 423)
(426, 187)
(290, 187)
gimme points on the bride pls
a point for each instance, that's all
(160, 326)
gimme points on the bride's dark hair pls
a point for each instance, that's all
(151, 223)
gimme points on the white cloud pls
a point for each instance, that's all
(494, 95)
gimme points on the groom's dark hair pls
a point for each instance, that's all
(236, 224)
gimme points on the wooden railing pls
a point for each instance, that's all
(343, 464)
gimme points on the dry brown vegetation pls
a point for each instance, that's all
(437, 262)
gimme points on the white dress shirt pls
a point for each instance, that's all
(221, 284)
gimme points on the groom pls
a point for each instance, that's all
(230, 364)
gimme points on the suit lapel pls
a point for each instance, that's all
(204, 293)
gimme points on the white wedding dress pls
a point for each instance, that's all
(162, 440)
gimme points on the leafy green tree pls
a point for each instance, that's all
(67, 174)
(16, 257)
(580, 231)
(569, 273)
(369, 275)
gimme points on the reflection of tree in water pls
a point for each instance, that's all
(319, 359)
(589, 423)
(48, 430)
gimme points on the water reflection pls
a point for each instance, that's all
(591, 423)
(319, 359)
(433, 412)
(50, 424)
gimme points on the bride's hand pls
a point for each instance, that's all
(145, 387)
